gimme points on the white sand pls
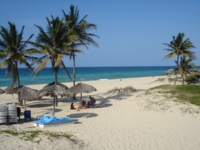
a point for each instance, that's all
(128, 121)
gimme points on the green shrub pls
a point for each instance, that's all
(191, 79)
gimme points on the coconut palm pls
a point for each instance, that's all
(179, 47)
(185, 67)
(54, 44)
(13, 51)
(80, 27)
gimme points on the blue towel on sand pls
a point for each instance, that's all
(53, 119)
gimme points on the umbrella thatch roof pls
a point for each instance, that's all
(169, 72)
(27, 93)
(2, 91)
(14, 90)
(9, 89)
(51, 89)
(81, 88)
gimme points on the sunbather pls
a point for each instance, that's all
(92, 102)
(72, 107)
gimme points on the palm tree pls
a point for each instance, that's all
(179, 47)
(54, 44)
(13, 51)
(185, 66)
(80, 27)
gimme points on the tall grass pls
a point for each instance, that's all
(184, 93)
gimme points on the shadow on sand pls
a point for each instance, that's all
(82, 115)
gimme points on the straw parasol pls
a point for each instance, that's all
(53, 90)
(2, 91)
(24, 92)
(27, 93)
(169, 72)
(9, 89)
(81, 88)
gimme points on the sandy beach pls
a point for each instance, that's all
(135, 121)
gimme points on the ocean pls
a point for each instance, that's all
(86, 73)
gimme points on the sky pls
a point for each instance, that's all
(131, 32)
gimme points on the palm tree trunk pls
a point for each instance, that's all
(18, 81)
(56, 80)
(74, 73)
(74, 69)
(54, 101)
(177, 67)
(55, 98)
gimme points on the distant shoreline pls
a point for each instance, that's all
(100, 80)
(85, 74)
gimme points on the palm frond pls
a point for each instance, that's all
(32, 51)
(39, 60)
(21, 48)
(171, 55)
(41, 66)
(58, 60)
(66, 70)
(3, 63)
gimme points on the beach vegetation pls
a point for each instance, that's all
(35, 135)
(127, 89)
(80, 27)
(179, 47)
(184, 94)
(193, 78)
(185, 67)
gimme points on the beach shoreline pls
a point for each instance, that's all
(84, 74)
(127, 121)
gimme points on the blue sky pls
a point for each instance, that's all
(132, 32)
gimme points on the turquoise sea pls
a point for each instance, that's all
(87, 73)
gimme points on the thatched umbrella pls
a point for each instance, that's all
(9, 89)
(2, 91)
(169, 72)
(81, 88)
(27, 93)
(53, 90)
(12, 89)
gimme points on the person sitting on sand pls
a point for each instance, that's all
(83, 103)
(91, 102)
(72, 107)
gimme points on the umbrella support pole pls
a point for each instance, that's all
(54, 100)
(25, 104)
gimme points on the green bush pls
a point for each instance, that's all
(192, 78)
(197, 75)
